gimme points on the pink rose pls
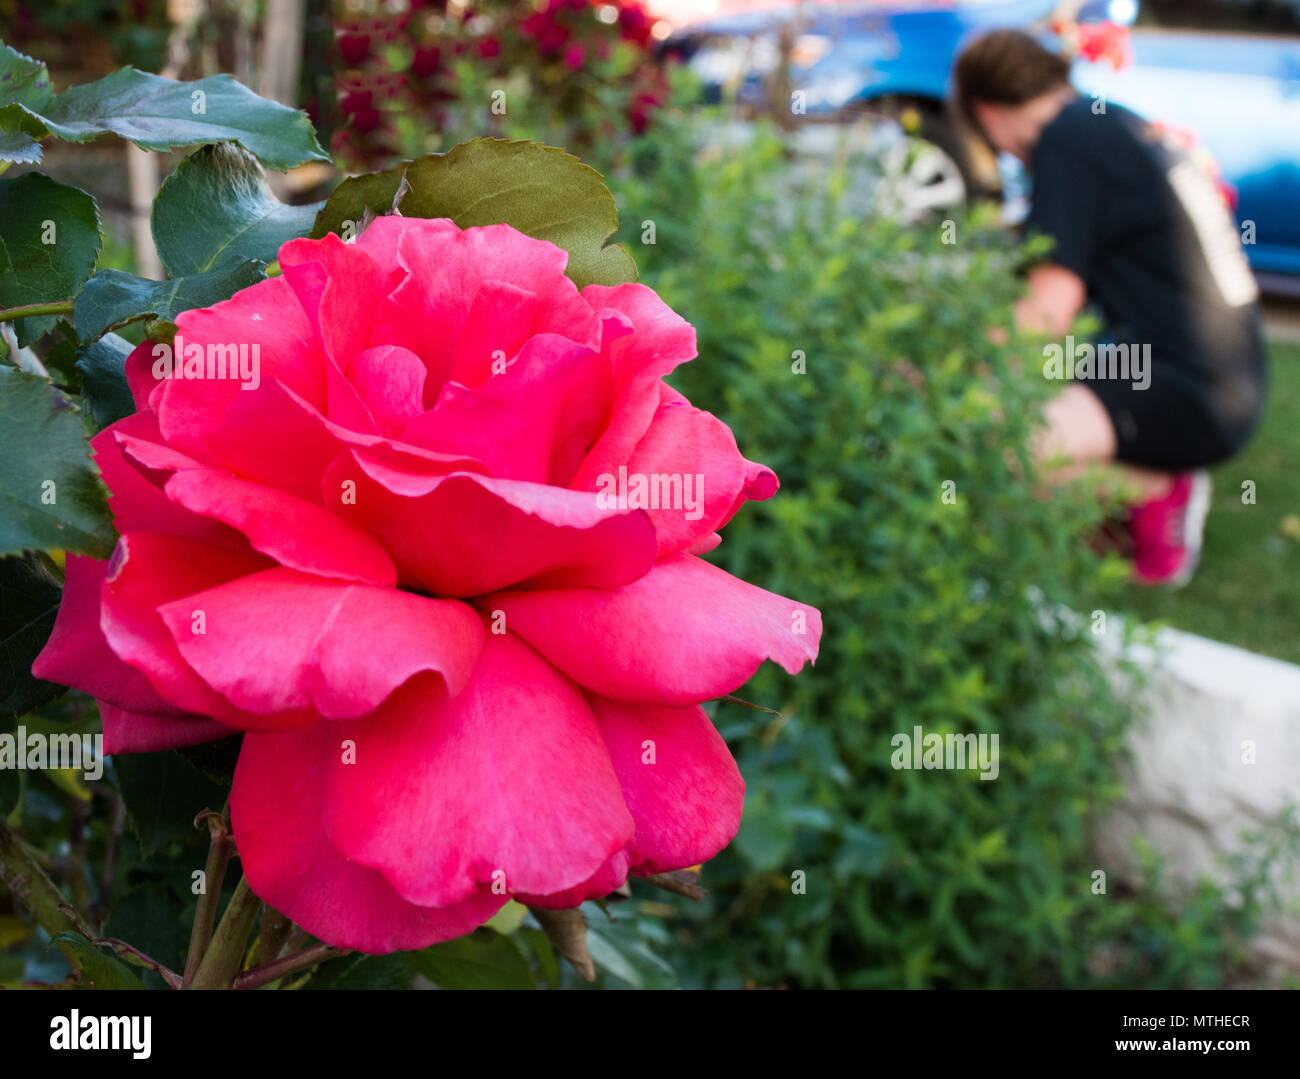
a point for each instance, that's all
(437, 557)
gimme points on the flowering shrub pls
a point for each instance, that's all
(582, 71)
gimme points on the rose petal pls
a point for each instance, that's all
(660, 341)
(562, 384)
(147, 732)
(294, 532)
(276, 808)
(259, 425)
(77, 654)
(339, 286)
(508, 782)
(134, 494)
(685, 632)
(148, 570)
(335, 648)
(463, 535)
(390, 381)
(688, 473)
(610, 876)
(266, 315)
(679, 780)
(470, 293)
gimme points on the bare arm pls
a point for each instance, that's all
(1056, 295)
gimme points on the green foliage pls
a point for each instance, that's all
(50, 243)
(113, 298)
(49, 491)
(31, 602)
(154, 112)
(163, 792)
(102, 365)
(242, 219)
(100, 969)
(482, 960)
(539, 190)
(939, 613)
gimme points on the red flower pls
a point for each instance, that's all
(1104, 41)
(354, 48)
(426, 61)
(436, 554)
(635, 25)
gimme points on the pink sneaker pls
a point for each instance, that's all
(1167, 531)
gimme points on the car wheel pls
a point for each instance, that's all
(929, 164)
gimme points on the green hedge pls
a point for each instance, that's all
(937, 611)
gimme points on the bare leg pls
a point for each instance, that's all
(1079, 435)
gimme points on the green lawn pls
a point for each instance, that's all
(1247, 589)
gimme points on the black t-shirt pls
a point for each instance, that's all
(1151, 237)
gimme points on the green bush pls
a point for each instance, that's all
(938, 613)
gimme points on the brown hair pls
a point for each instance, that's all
(1005, 67)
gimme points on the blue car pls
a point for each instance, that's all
(1228, 70)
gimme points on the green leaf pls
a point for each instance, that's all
(29, 601)
(49, 241)
(50, 493)
(22, 79)
(548, 960)
(147, 918)
(766, 834)
(539, 190)
(163, 794)
(482, 960)
(161, 114)
(216, 760)
(216, 208)
(20, 148)
(99, 969)
(112, 298)
(372, 194)
(103, 379)
(508, 918)
(618, 949)
(365, 972)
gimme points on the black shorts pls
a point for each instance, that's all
(1181, 422)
